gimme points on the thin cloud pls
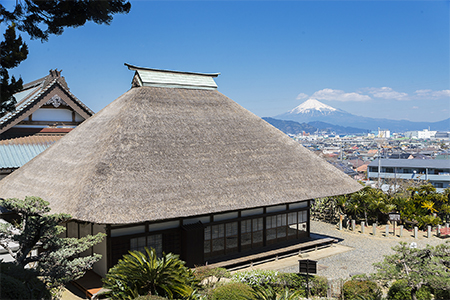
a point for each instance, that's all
(388, 93)
(338, 95)
(432, 94)
(302, 96)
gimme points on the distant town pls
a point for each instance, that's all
(420, 154)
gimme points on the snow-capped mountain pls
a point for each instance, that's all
(312, 106)
(314, 110)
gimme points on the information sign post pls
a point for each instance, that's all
(394, 217)
(307, 266)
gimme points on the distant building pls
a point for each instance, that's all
(46, 110)
(420, 134)
(437, 172)
(384, 134)
(444, 135)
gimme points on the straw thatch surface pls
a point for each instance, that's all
(158, 153)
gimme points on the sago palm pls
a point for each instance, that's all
(268, 293)
(138, 274)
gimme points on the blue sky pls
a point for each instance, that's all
(372, 58)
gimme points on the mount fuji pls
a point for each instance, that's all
(313, 110)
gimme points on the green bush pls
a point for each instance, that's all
(399, 290)
(441, 295)
(318, 285)
(354, 288)
(232, 291)
(19, 283)
(204, 272)
(151, 297)
(256, 277)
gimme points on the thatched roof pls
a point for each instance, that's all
(159, 153)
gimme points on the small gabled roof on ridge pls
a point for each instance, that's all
(172, 79)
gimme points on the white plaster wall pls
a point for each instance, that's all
(52, 114)
(100, 267)
(78, 118)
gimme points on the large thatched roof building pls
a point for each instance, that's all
(173, 151)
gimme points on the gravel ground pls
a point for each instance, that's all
(367, 249)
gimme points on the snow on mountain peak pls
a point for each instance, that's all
(312, 105)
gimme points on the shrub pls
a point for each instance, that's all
(318, 285)
(138, 274)
(256, 277)
(150, 297)
(441, 295)
(233, 291)
(204, 272)
(19, 283)
(399, 290)
(354, 288)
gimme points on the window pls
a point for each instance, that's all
(151, 241)
(231, 235)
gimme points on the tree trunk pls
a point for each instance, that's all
(413, 293)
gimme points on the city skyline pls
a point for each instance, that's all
(375, 59)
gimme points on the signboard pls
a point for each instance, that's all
(308, 266)
(394, 217)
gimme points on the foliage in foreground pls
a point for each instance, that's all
(19, 283)
(269, 293)
(205, 272)
(399, 290)
(354, 288)
(232, 291)
(256, 277)
(139, 274)
(279, 282)
(417, 267)
(57, 261)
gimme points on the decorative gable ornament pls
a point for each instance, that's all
(56, 101)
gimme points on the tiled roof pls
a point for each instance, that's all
(14, 153)
(32, 91)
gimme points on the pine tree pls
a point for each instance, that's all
(12, 52)
(57, 260)
(418, 267)
(40, 19)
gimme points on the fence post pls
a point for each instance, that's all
(362, 226)
(401, 230)
(387, 230)
(438, 230)
(428, 231)
(353, 225)
(374, 228)
(416, 232)
(340, 222)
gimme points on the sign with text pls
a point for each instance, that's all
(394, 217)
(308, 266)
